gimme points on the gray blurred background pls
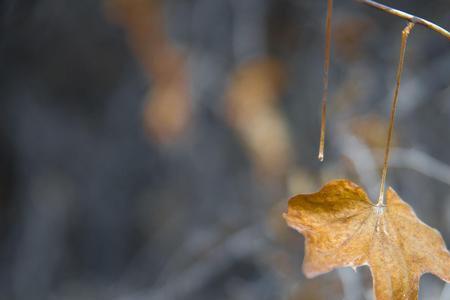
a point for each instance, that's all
(148, 148)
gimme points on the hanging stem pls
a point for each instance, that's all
(405, 34)
(326, 68)
(412, 20)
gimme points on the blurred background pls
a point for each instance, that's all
(148, 148)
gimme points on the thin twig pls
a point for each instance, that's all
(405, 34)
(326, 68)
(409, 17)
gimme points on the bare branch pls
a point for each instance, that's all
(409, 17)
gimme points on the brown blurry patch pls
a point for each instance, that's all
(315, 289)
(371, 129)
(252, 111)
(167, 109)
(349, 34)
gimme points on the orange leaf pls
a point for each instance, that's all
(343, 228)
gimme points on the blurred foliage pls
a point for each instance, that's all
(148, 148)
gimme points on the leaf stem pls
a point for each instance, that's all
(405, 34)
(409, 17)
(326, 68)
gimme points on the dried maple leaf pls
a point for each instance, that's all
(343, 228)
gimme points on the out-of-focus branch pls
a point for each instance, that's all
(351, 284)
(445, 292)
(362, 159)
(421, 162)
(246, 241)
(409, 17)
